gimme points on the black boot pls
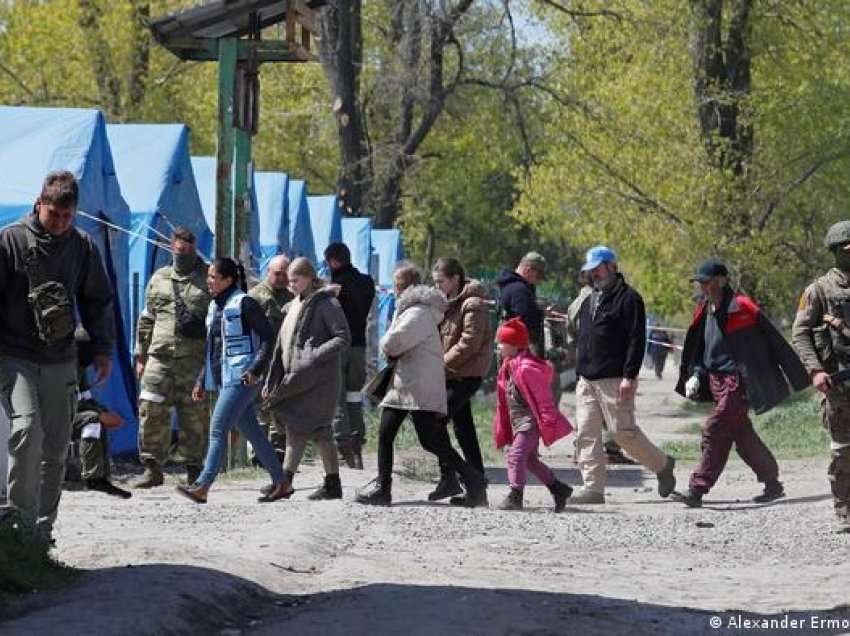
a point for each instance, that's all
(476, 491)
(377, 493)
(560, 493)
(343, 447)
(513, 501)
(691, 498)
(448, 485)
(101, 484)
(331, 489)
(772, 490)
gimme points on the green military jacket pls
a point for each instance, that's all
(272, 301)
(157, 333)
(818, 338)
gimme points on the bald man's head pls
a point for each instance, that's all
(276, 275)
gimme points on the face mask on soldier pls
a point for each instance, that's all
(183, 263)
(842, 259)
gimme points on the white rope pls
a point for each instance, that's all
(155, 231)
(665, 344)
(164, 246)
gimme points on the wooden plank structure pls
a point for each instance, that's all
(229, 32)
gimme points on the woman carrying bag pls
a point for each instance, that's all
(239, 345)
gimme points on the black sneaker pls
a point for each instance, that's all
(772, 490)
(691, 499)
(101, 484)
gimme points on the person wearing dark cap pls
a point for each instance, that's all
(734, 357)
(611, 345)
(518, 296)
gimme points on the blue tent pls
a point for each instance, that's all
(357, 235)
(204, 169)
(326, 221)
(273, 213)
(152, 161)
(34, 141)
(300, 230)
(387, 244)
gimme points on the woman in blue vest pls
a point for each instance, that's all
(240, 341)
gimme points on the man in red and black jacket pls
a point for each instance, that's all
(733, 356)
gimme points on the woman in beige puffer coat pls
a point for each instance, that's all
(418, 387)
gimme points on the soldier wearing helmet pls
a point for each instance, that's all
(821, 336)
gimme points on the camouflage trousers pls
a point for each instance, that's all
(274, 430)
(168, 383)
(348, 421)
(93, 446)
(836, 420)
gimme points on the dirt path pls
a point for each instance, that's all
(636, 565)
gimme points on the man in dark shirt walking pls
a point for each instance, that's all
(610, 349)
(357, 291)
(518, 296)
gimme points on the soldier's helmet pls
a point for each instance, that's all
(838, 234)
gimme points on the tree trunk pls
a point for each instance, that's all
(140, 40)
(108, 84)
(722, 81)
(341, 54)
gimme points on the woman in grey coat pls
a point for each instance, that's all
(303, 381)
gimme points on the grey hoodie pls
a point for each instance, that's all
(71, 259)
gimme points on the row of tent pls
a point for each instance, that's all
(138, 182)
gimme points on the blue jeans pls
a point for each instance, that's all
(235, 407)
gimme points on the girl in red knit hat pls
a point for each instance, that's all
(525, 414)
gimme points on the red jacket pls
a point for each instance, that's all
(533, 378)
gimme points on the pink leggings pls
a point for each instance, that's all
(523, 457)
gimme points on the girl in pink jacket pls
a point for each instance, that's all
(525, 414)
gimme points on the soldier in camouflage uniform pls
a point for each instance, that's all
(273, 294)
(169, 354)
(821, 336)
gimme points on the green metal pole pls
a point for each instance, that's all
(224, 217)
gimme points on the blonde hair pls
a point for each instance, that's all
(302, 266)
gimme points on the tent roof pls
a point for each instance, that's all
(300, 230)
(357, 235)
(155, 173)
(326, 221)
(272, 208)
(388, 245)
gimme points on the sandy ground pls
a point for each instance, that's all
(158, 564)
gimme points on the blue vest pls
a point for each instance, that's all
(238, 348)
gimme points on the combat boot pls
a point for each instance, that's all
(152, 477)
(448, 485)
(583, 497)
(513, 501)
(560, 493)
(666, 478)
(101, 484)
(476, 491)
(377, 493)
(331, 489)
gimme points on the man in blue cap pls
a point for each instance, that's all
(610, 349)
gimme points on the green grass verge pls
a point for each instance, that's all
(792, 430)
(27, 567)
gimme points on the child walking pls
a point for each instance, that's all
(525, 414)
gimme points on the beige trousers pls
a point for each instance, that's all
(296, 444)
(598, 406)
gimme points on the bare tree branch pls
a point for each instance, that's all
(580, 13)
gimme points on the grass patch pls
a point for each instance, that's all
(792, 430)
(27, 567)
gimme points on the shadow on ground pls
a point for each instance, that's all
(415, 610)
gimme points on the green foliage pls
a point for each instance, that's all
(626, 164)
(792, 430)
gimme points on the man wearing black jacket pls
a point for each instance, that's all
(610, 349)
(50, 272)
(357, 291)
(518, 296)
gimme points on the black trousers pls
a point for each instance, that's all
(428, 429)
(460, 392)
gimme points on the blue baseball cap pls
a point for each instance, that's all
(598, 255)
